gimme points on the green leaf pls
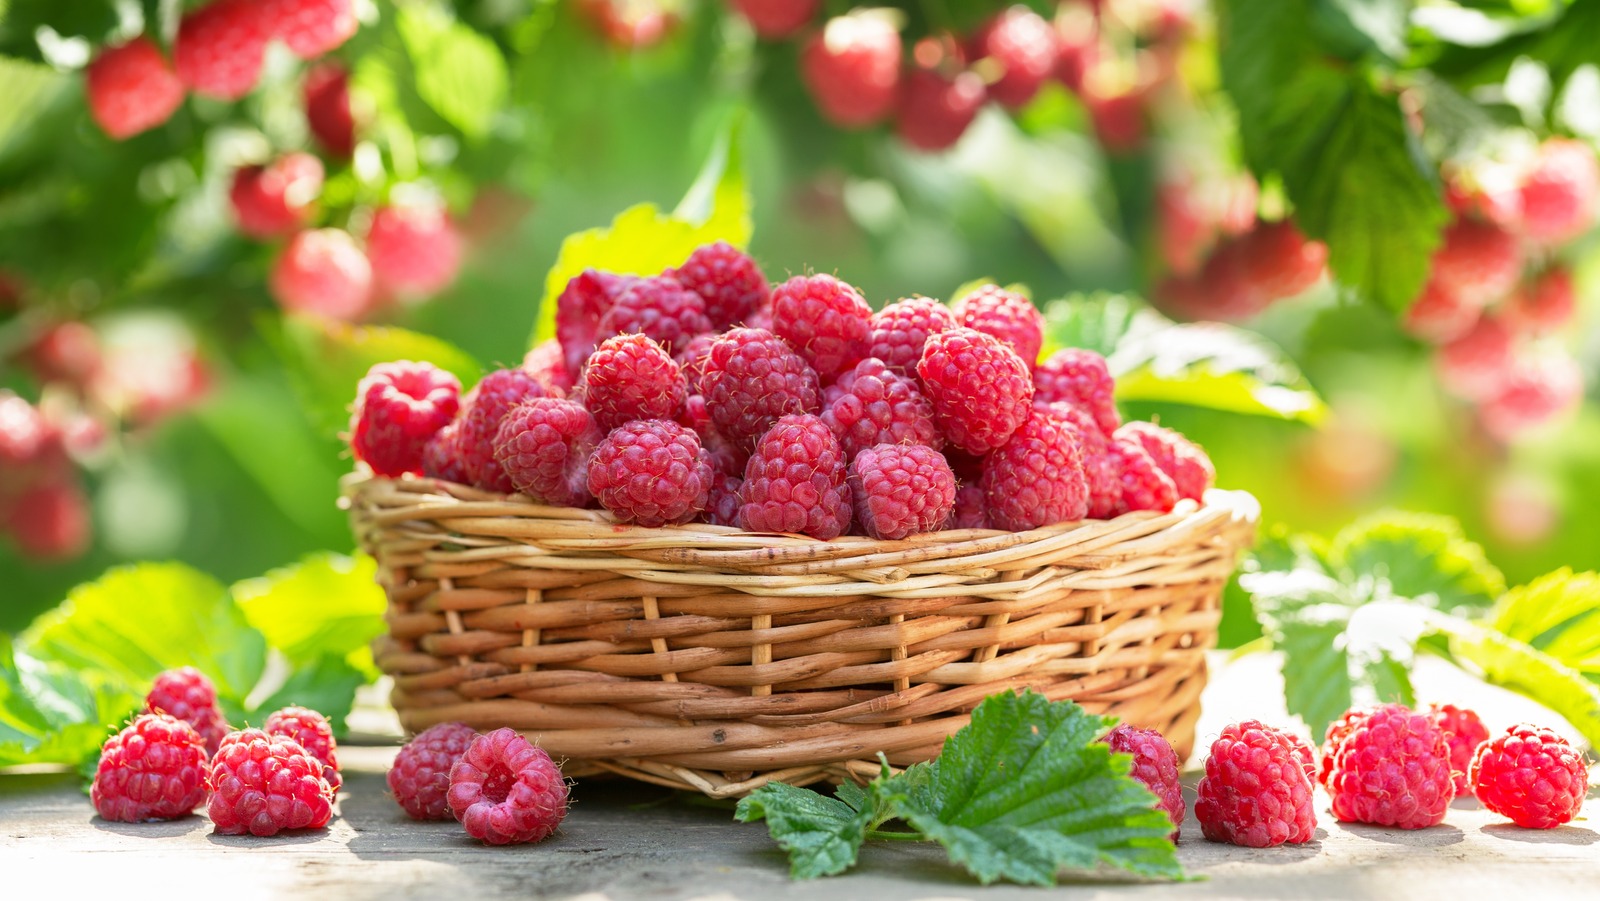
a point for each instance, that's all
(460, 73)
(28, 88)
(1303, 611)
(1262, 46)
(1095, 322)
(1558, 614)
(83, 708)
(1421, 557)
(822, 835)
(22, 724)
(327, 685)
(1517, 666)
(1357, 28)
(327, 605)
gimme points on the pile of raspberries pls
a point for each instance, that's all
(704, 393)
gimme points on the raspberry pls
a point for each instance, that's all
(1118, 118)
(897, 332)
(935, 110)
(547, 365)
(1006, 315)
(506, 791)
(420, 777)
(970, 510)
(481, 411)
(901, 490)
(1464, 732)
(1222, 291)
(1538, 389)
(1143, 484)
(852, 68)
(584, 301)
(1255, 792)
(220, 48)
(1392, 768)
(871, 405)
(1476, 365)
(328, 115)
(1183, 227)
(1102, 470)
(628, 24)
(825, 319)
(1279, 261)
(1037, 477)
(1478, 261)
(1336, 733)
(648, 472)
(263, 784)
(692, 357)
(1181, 459)
(752, 377)
(1155, 764)
(979, 387)
(1079, 377)
(50, 521)
(544, 446)
(630, 377)
(796, 481)
(1438, 316)
(399, 406)
(1077, 44)
(26, 437)
(322, 271)
(155, 769)
(731, 284)
(1024, 45)
(65, 352)
(274, 200)
(187, 694)
(1558, 194)
(1546, 303)
(659, 307)
(722, 504)
(1486, 191)
(313, 732)
(132, 88)
(415, 250)
(440, 459)
(776, 19)
(312, 27)
(1531, 775)
(1304, 753)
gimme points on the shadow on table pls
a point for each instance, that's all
(159, 829)
(1440, 836)
(1561, 835)
(1198, 854)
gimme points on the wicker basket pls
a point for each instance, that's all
(706, 658)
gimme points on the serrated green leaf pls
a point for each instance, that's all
(83, 707)
(1262, 46)
(1558, 614)
(1097, 322)
(1418, 556)
(1517, 666)
(822, 835)
(460, 73)
(1303, 611)
(327, 605)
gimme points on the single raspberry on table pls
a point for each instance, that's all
(1037, 477)
(1464, 732)
(220, 48)
(722, 504)
(901, 490)
(1477, 365)
(441, 458)
(852, 68)
(980, 389)
(1181, 459)
(1547, 302)
(546, 363)
(507, 791)
(970, 510)
(631, 377)
(1141, 482)
(727, 279)
(186, 693)
(482, 409)
(871, 405)
(1155, 764)
(544, 446)
(1558, 194)
(580, 306)
(1439, 316)
(132, 88)
(1478, 262)
(328, 116)
(660, 307)
(313, 732)
(420, 777)
(935, 109)
(155, 769)
(1006, 315)
(278, 198)
(322, 271)
(415, 250)
(825, 319)
(1025, 47)
(750, 379)
(1278, 260)
(897, 332)
(1530, 775)
(399, 407)
(796, 481)
(1392, 768)
(1537, 389)
(264, 784)
(312, 27)
(1077, 376)
(1304, 753)
(1255, 792)
(648, 472)
(776, 19)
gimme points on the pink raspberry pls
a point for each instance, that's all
(66, 351)
(264, 784)
(313, 732)
(898, 331)
(1336, 733)
(1025, 46)
(659, 307)
(441, 458)
(1476, 365)
(155, 769)
(1531, 775)
(220, 48)
(1255, 792)
(544, 446)
(1118, 117)
(1464, 732)
(728, 280)
(584, 301)
(1144, 486)
(1478, 191)
(1278, 260)
(722, 504)
(420, 777)
(506, 791)
(1438, 316)
(825, 319)
(274, 200)
(852, 68)
(26, 437)
(1304, 753)
(1006, 315)
(1037, 477)
(1537, 390)
(1181, 459)
(1392, 768)
(1478, 262)
(901, 490)
(187, 694)
(328, 115)
(50, 521)
(415, 250)
(322, 271)
(1155, 764)
(1102, 470)
(871, 405)
(936, 109)
(692, 357)
(1558, 194)
(775, 20)
(1547, 302)
(132, 88)
(312, 27)
(648, 472)
(481, 412)
(630, 377)
(795, 481)
(1078, 43)
(1079, 377)
(399, 406)
(980, 388)
(546, 363)
(750, 379)
(970, 510)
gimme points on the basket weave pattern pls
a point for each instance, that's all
(715, 660)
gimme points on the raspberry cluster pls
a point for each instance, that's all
(43, 508)
(1247, 269)
(501, 788)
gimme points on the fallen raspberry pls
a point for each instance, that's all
(1142, 484)
(1255, 792)
(852, 68)
(1079, 377)
(970, 510)
(935, 109)
(220, 48)
(1558, 194)
(1464, 732)
(186, 693)
(728, 280)
(312, 27)
(980, 389)
(482, 409)
(750, 379)
(1537, 390)
(630, 377)
(1037, 477)
(1024, 46)
(1478, 262)
(322, 271)
(1392, 768)
(648, 472)
(548, 366)
(420, 777)
(313, 732)
(399, 407)
(659, 307)
(415, 250)
(544, 446)
(50, 521)
(824, 319)
(276, 199)
(897, 333)
(1006, 315)
(1181, 459)
(901, 490)
(870, 405)
(1438, 316)
(264, 784)
(776, 19)
(1530, 775)
(1336, 733)
(1546, 303)
(1155, 764)
(1304, 753)
(155, 769)
(328, 115)
(132, 88)
(795, 481)
(506, 791)
(580, 306)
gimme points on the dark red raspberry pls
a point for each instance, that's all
(506, 791)
(796, 481)
(980, 388)
(1531, 775)
(1438, 316)
(132, 88)
(581, 305)
(187, 694)
(1036, 478)
(871, 405)
(1118, 116)
(935, 109)
(1278, 261)
(274, 200)
(1078, 45)
(1478, 262)
(420, 777)
(731, 284)
(1079, 377)
(722, 505)
(1006, 315)
(155, 769)
(328, 115)
(264, 784)
(1538, 389)
(322, 271)
(1558, 194)
(1181, 459)
(544, 445)
(901, 490)
(825, 319)
(776, 19)
(1336, 733)
(1102, 470)
(220, 48)
(1255, 792)
(548, 366)
(899, 330)
(1143, 485)
(1155, 764)
(49, 521)
(659, 307)
(415, 250)
(441, 458)
(481, 411)
(631, 377)
(648, 472)
(971, 511)
(312, 27)
(1025, 46)
(852, 68)
(313, 732)
(399, 406)
(1392, 769)
(1477, 365)
(691, 357)
(1547, 302)
(752, 377)
(1464, 732)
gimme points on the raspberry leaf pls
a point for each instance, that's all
(1418, 556)
(1557, 614)
(325, 606)
(821, 834)
(460, 73)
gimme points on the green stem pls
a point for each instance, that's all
(896, 836)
